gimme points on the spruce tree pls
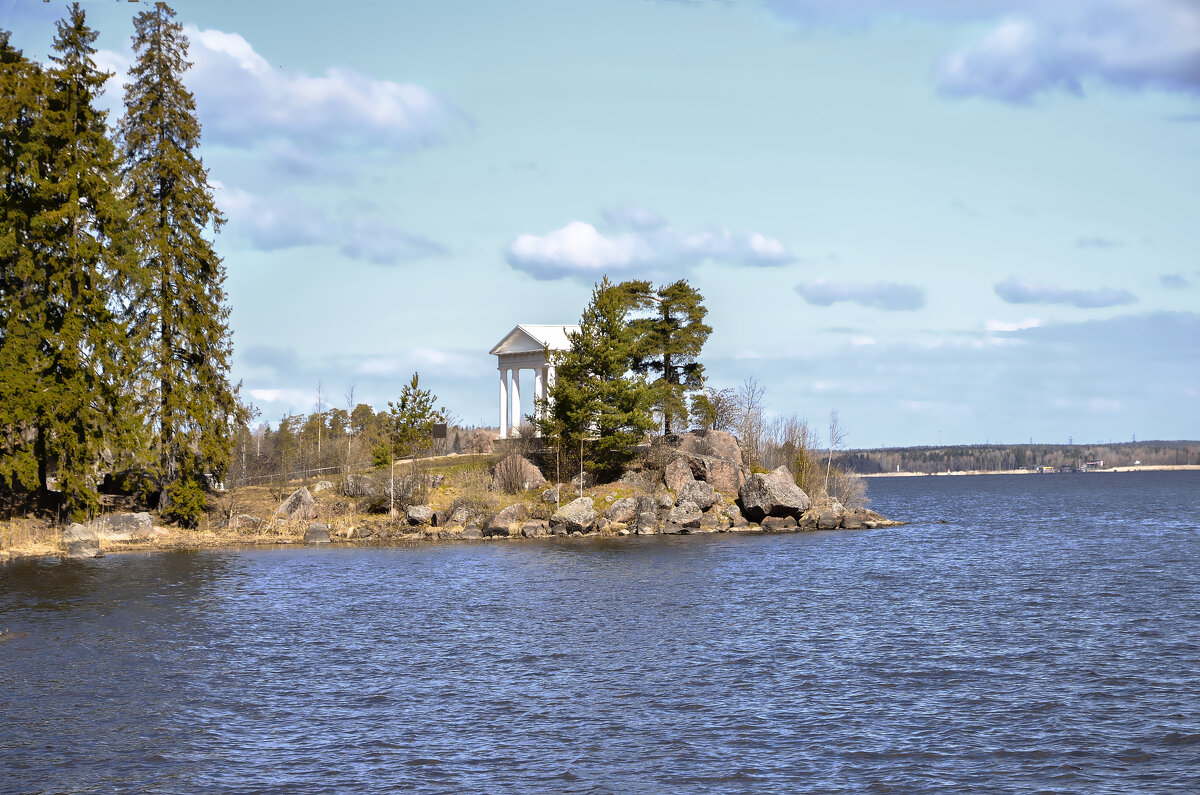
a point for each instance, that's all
(596, 402)
(176, 306)
(22, 95)
(62, 229)
(667, 344)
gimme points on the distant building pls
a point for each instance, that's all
(525, 348)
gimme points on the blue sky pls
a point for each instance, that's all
(950, 221)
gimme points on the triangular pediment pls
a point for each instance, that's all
(532, 338)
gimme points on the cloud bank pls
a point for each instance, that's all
(640, 242)
(1020, 291)
(877, 295)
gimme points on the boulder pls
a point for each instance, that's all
(515, 473)
(697, 492)
(779, 524)
(81, 542)
(717, 444)
(317, 533)
(722, 475)
(829, 520)
(299, 505)
(245, 520)
(322, 485)
(735, 516)
(671, 529)
(458, 517)
(472, 532)
(664, 499)
(677, 475)
(499, 524)
(123, 526)
(550, 495)
(709, 523)
(623, 510)
(772, 494)
(419, 515)
(439, 519)
(577, 516)
(587, 481)
(686, 514)
(646, 520)
(535, 529)
(854, 520)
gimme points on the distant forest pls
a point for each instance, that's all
(994, 457)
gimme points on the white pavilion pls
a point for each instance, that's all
(524, 348)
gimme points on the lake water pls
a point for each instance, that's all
(1045, 637)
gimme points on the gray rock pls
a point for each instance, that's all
(623, 510)
(699, 493)
(472, 532)
(779, 524)
(577, 516)
(299, 505)
(322, 485)
(317, 533)
(854, 520)
(735, 516)
(588, 481)
(677, 475)
(245, 520)
(685, 514)
(78, 532)
(499, 524)
(717, 444)
(664, 499)
(828, 520)
(535, 529)
(360, 486)
(419, 515)
(439, 518)
(550, 495)
(84, 548)
(514, 473)
(459, 516)
(123, 526)
(671, 529)
(772, 494)
(722, 475)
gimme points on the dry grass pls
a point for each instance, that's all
(29, 538)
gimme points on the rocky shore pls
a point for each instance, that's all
(704, 488)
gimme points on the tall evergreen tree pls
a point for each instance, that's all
(177, 305)
(22, 96)
(596, 401)
(67, 265)
(667, 344)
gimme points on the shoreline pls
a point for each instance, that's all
(1109, 470)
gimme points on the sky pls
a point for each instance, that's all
(952, 221)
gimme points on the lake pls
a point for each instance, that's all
(1022, 633)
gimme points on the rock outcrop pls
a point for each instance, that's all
(772, 494)
(123, 526)
(81, 542)
(500, 524)
(698, 492)
(317, 533)
(299, 505)
(677, 475)
(577, 516)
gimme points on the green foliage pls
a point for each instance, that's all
(176, 303)
(411, 420)
(596, 401)
(185, 502)
(667, 343)
(381, 455)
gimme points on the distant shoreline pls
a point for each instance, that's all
(1148, 468)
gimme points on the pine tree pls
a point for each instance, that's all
(411, 420)
(176, 306)
(22, 96)
(62, 229)
(668, 343)
(596, 401)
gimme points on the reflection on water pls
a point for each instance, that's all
(1044, 637)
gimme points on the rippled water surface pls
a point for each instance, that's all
(1023, 633)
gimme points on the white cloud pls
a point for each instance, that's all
(878, 295)
(861, 339)
(643, 243)
(1000, 325)
(1021, 291)
(245, 100)
(1131, 44)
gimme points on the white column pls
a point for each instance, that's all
(539, 393)
(503, 403)
(516, 402)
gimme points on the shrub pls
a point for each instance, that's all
(184, 503)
